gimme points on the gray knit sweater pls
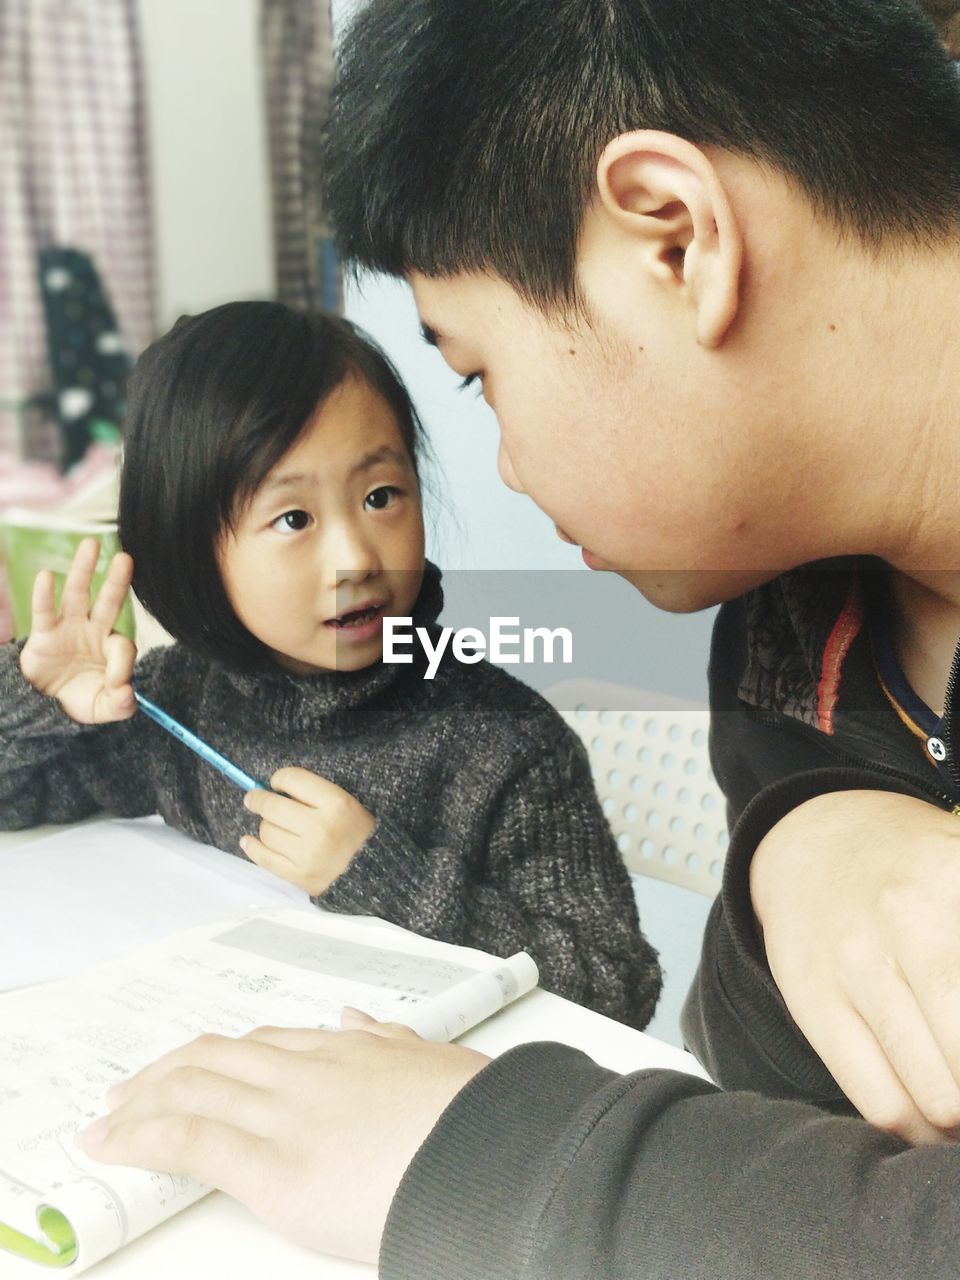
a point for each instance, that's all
(488, 828)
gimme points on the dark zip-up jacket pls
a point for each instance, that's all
(549, 1167)
(797, 710)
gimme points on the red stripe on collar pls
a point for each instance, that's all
(845, 631)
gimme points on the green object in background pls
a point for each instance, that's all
(35, 540)
(103, 432)
(59, 1249)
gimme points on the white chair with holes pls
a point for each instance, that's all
(652, 770)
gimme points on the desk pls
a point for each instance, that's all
(216, 1239)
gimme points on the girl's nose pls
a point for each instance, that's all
(349, 554)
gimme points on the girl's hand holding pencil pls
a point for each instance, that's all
(74, 655)
(309, 834)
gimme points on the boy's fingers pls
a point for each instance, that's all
(43, 610)
(221, 1155)
(936, 989)
(892, 1013)
(864, 1073)
(113, 591)
(356, 1020)
(211, 1052)
(197, 1091)
(352, 1019)
(75, 599)
(297, 1039)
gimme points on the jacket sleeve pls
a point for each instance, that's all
(549, 1167)
(549, 879)
(735, 1019)
(55, 770)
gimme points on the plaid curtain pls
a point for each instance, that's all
(297, 52)
(73, 175)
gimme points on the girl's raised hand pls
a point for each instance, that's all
(74, 655)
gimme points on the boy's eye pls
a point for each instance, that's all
(291, 522)
(469, 381)
(381, 497)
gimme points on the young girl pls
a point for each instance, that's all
(270, 506)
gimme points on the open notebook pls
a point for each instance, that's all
(63, 1043)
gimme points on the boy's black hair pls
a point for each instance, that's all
(212, 407)
(465, 133)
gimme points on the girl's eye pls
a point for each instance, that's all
(381, 497)
(291, 522)
(469, 381)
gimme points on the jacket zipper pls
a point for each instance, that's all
(952, 763)
(882, 770)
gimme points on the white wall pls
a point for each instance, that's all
(482, 524)
(207, 138)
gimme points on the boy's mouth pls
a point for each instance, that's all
(351, 618)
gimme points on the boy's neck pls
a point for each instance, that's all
(925, 629)
(892, 403)
(919, 343)
(913, 359)
(851, 356)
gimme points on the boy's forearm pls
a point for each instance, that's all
(566, 1170)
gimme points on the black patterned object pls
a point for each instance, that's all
(88, 360)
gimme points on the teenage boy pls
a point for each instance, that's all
(705, 260)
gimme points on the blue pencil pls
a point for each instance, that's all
(203, 749)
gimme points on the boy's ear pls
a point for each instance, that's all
(666, 195)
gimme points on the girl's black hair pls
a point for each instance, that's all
(213, 406)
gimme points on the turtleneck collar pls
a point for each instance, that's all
(329, 696)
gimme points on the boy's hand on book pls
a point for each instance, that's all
(309, 834)
(311, 1130)
(74, 655)
(858, 897)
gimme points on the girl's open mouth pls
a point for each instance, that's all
(358, 622)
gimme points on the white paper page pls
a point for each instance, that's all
(63, 1044)
(479, 996)
(95, 891)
